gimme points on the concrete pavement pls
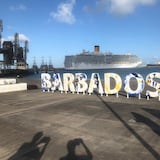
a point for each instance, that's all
(54, 126)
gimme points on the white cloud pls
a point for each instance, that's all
(64, 12)
(22, 37)
(122, 7)
(19, 7)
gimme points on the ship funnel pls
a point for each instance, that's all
(96, 49)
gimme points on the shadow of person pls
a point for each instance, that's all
(154, 112)
(140, 118)
(32, 150)
(71, 147)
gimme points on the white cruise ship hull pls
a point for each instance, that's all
(82, 66)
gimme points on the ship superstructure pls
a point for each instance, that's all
(97, 60)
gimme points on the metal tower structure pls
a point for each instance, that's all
(50, 66)
(34, 66)
(1, 30)
(16, 45)
(26, 50)
(13, 54)
(34, 61)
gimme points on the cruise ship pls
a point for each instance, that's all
(98, 60)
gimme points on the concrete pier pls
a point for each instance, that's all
(55, 126)
(10, 85)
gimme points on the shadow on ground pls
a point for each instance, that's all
(71, 148)
(145, 120)
(30, 87)
(32, 150)
(154, 112)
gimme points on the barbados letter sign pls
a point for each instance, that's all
(79, 83)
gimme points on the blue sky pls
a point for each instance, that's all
(56, 28)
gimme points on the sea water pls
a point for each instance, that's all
(144, 71)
